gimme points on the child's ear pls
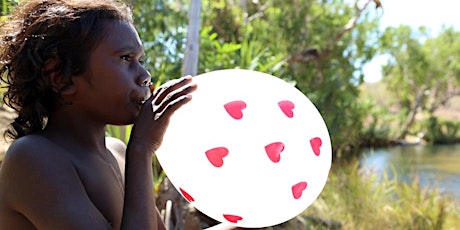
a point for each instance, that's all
(55, 79)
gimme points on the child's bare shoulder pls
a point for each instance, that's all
(34, 165)
(34, 147)
(39, 173)
(34, 155)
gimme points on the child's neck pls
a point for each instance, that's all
(76, 130)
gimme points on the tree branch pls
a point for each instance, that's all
(304, 55)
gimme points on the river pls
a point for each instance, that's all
(435, 166)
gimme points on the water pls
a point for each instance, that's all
(436, 166)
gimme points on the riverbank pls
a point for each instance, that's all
(383, 125)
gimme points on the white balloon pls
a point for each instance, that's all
(249, 149)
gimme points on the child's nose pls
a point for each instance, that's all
(147, 82)
(144, 79)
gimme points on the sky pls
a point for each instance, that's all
(432, 14)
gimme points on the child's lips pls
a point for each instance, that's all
(143, 96)
(140, 102)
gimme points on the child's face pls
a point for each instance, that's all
(118, 82)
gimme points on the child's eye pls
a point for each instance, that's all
(130, 57)
(125, 57)
(142, 61)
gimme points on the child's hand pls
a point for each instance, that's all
(154, 116)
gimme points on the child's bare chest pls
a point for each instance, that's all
(103, 182)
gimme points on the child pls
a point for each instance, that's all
(71, 67)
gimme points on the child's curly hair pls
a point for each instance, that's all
(39, 31)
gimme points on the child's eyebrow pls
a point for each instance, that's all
(131, 49)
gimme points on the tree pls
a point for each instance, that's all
(443, 51)
(276, 37)
(422, 71)
(320, 46)
(162, 26)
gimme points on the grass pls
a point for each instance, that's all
(356, 200)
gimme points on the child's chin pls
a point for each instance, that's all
(127, 121)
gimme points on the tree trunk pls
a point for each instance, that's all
(412, 113)
(190, 65)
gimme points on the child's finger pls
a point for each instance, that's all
(170, 108)
(173, 96)
(169, 87)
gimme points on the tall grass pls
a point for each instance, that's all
(353, 199)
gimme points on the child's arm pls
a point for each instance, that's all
(146, 137)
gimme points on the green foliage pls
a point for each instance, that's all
(162, 27)
(6, 7)
(264, 36)
(361, 200)
(377, 129)
(245, 55)
(440, 132)
(405, 74)
(214, 55)
(121, 132)
(423, 72)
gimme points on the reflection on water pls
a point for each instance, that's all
(434, 166)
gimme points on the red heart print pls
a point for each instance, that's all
(287, 107)
(186, 195)
(235, 109)
(298, 189)
(232, 218)
(216, 156)
(315, 145)
(274, 150)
